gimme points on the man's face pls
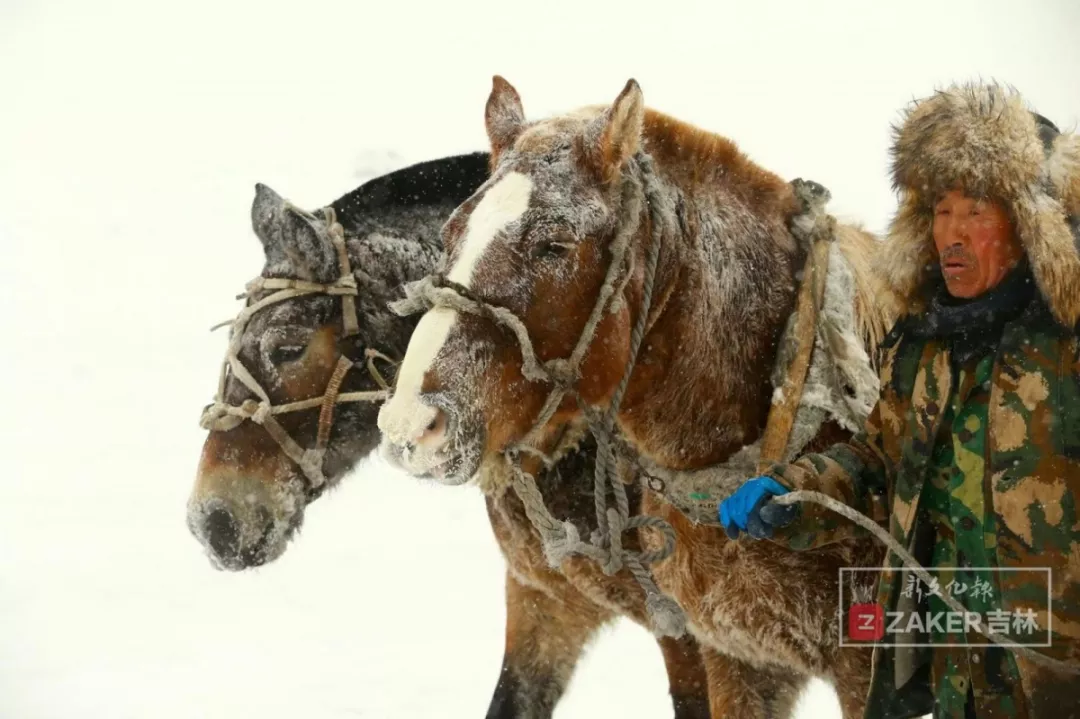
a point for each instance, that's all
(975, 242)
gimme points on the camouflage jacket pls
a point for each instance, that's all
(1031, 456)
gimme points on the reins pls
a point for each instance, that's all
(561, 539)
(221, 416)
(919, 571)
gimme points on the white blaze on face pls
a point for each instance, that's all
(504, 203)
(404, 417)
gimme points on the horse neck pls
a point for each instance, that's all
(724, 288)
(387, 251)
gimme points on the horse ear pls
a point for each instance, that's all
(613, 138)
(295, 242)
(504, 116)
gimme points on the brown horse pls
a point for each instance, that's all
(249, 495)
(535, 241)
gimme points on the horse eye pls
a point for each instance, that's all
(286, 353)
(554, 249)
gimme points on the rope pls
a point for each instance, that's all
(326, 412)
(371, 355)
(605, 546)
(909, 561)
(561, 539)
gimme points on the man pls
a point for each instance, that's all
(972, 452)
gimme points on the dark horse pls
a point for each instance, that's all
(249, 495)
(537, 242)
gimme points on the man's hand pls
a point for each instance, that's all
(751, 511)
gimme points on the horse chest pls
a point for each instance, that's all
(750, 600)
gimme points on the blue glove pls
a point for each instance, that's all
(749, 509)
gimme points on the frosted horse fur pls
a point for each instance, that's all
(249, 498)
(725, 287)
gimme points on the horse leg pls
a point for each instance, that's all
(546, 633)
(737, 689)
(687, 682)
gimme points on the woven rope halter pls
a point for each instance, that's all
(222, 417)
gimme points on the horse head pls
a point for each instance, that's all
(249, 495)
(534, 242)
(296, 402)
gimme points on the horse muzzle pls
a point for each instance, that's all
(429, 441)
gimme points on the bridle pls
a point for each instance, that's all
(561, 539)
(222, 417)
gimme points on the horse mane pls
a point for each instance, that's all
(448, 180)
(701, 156)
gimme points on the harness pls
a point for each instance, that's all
(561, 539)
(222, 417)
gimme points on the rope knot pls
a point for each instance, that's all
(258, 411)
(419, 297)
(665, 615)
(252, 287)
(311, 465)
(346, 285)
(558, 548)
(562, 373)
(216, 417)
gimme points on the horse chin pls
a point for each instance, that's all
(452, 466)
(456, 471)
(248, 559)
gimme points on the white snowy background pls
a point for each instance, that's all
(131, 136)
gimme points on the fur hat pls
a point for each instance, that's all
(981, 138)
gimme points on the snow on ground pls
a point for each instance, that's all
(131, 136)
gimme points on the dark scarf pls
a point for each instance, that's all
(972, 327)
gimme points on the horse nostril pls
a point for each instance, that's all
(222, 533)
(435, 432)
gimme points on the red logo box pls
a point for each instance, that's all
(866, 622)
